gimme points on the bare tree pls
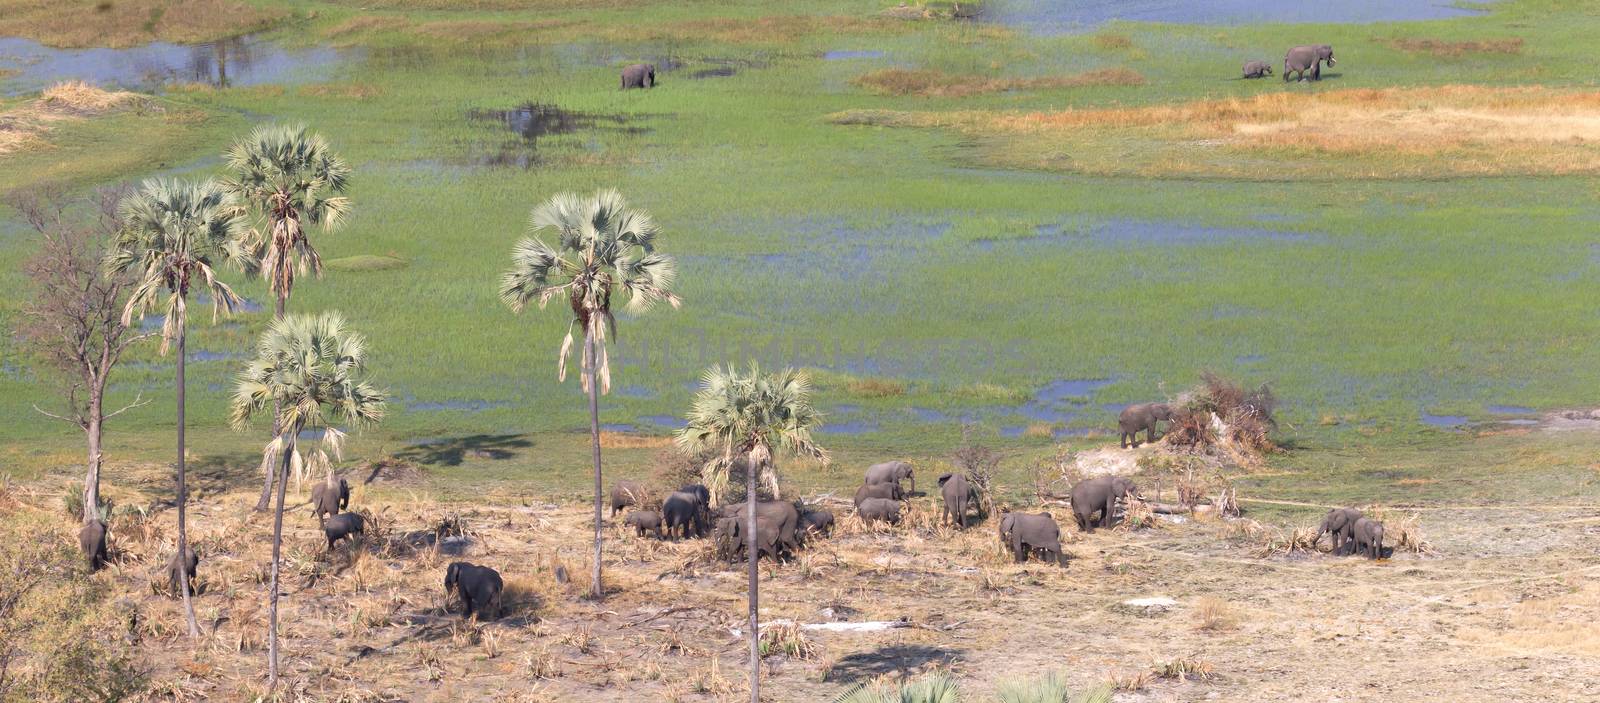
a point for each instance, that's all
(72, 319)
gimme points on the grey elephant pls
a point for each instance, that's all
(879, 510)
(785, 518)
(1141, 417)
(92, 539)
(645, 521)
(892, 472)
(766, 538)
(1339, 524)
(342, 526)
(959, 494)
(624, 494)
(1368, 536)
(818, 522)
(479, 587)
(1025, 533)
(1301, 59)
(1099, 495)
(683, 514)
(176, 571)
(1257, 69)
(890, 491)
(328, 498)
(639, 75)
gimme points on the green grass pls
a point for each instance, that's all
(802, 241)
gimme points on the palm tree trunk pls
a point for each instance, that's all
(288, 450)
(591, 361)
(183, 490)
(91, 480)
(755, 578)
(266, 489)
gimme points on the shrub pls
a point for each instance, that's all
(1050, 689)
(1243, 417)
(934, 688)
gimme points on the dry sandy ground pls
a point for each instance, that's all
(1505, 609)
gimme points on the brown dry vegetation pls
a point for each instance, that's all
(120, 23)
(1444, 48)
(1362, 133)
(1503, 610)
(24, 127)
(934, 83)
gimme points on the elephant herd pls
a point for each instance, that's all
(781, 528)
(1299, 60)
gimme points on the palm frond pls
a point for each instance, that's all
(309, 367)
(746, 416)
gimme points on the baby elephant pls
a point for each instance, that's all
(343, 525)
(639, 75)
(1141, 417)
(478, 586)
(329, 498)
(879, 510)
(819, 522)
(1099, 495)
(1257, 69)
(1024, 533)
(644, 521)
(92, 539)
(766, 537)
(1339, 524)
(175, 574)
(624, 494)
(959, 494)
(1368, 537)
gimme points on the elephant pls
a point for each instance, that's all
(890, 491)
(92, 539)
(685, 512)
(479, 587)
(1339, 525)
(880, 510)
(1141, 417)
(1257, 69)
(819, 521)
(783, 516)
(766, 538)
(343, 525)
(176, 571)
(639, 75)
(1099, 495)
(892, 472)
(624, 494)
(1368, 535)
(1307, 58)
(645, 521)
(328, 498)
(1025, 533)
(959, 493)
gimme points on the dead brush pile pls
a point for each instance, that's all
(1222, 416)
(1401, 531)
(81, 98)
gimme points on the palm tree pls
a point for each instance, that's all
(291, 177)
(600, 246)
(172, 234)
(744, 419)
(310, 370)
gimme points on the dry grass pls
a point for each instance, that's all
(82, 98)
(876, 387)
(1357, 133)
(1112, 42)
(934, 83)
(1401, 531)
(1212, 614)
(122, 23)
(23, 127)
(1185, 668)
(344, 91)
(623, 440)
(1444, 48)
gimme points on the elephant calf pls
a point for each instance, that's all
(879, 510)
(92, 539)
(684, 511)
(639, 75)
(1257, 69)
(1339, 525)
(1368, 536)
(819, 522)
(1098, 496)
(1141, 417)
(1024, 533)
(176, 571)
(888, 491)
(343, 525)
(644, 521)
(892, 472)
(624, 494)
(479, 587)
(329, 498)
(959, 494)
(766, 537)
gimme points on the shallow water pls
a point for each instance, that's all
(845, 54)
(1443, 420)
(1066, 17)
(239, 61)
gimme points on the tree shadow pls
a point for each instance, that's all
(454, 450)
(902, 658)
(219, 473)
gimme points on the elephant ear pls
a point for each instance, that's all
(945, 477)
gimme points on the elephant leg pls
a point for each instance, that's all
(1111, 506)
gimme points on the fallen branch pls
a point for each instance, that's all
(870, 626)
